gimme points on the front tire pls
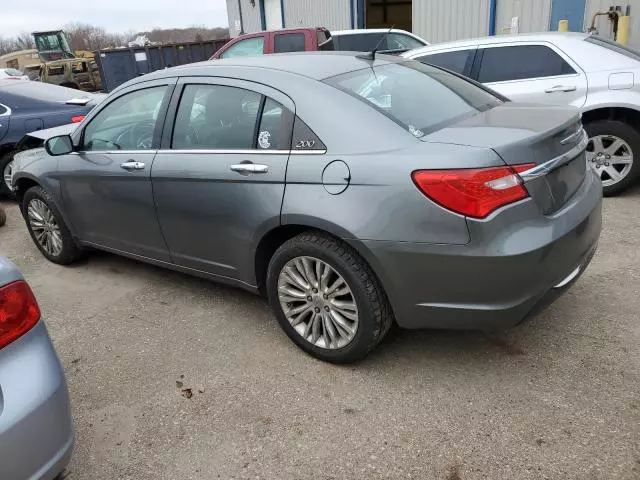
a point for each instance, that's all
(47, 228)
(6, 164)
(326, 298)
(611, 154)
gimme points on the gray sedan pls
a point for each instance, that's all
(36, 437)
(353, 192)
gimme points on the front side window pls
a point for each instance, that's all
(288, 42)
(401, 41)
(245, 48)
(418, 97)
(458, 61)
(127, 123)
(216, 117)
(500, 64)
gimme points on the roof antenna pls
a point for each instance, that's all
(372, 54)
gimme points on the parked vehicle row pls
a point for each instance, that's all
(27, 107)
(585, 71)
(429, 200)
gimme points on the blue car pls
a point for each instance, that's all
(26, 107)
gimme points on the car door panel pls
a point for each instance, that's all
(213, 203)
(107, 192)
(569, 88)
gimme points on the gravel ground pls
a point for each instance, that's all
(556, 398)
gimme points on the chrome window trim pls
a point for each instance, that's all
(546, 167)
(7, 113)
(203, 152)
(112, 152)
(243, 152)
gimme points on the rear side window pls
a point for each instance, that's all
(215, 117)
(304, 138)
(418, 97)
(275, 127)
(289, 42)
(500, 64)
(361, 42)
(245, 48)
(458, 61)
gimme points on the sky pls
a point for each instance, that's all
(115, 16)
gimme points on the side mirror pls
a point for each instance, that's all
(61, 145)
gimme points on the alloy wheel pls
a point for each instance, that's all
(610, 157)
(44, 227)
(6, 174)
(318, 302)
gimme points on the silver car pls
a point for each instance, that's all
(594, 74)
(36, 436)
(352, 191)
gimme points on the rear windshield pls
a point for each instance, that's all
(42, 92)
(615, 47)
(418, 97)
(325, 41)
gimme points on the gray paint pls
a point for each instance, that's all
(444, 20)
(34, 403)
(438, 268)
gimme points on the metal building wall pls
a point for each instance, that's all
(445, 20)
(604, 26)
(250, 16)
(533, 15)
(332, 14)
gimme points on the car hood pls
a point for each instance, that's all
(55, 131)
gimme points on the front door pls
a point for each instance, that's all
(531, 72)
(106, 184)
(219, 179)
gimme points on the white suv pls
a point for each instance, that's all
(600, 77)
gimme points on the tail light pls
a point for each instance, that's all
(77, 119)
(19, 311)
(473, 192)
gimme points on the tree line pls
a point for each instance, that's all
(89, 37)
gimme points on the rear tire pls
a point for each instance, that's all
(372, 313)
(605, 158)
(47, 228)
(5, 170)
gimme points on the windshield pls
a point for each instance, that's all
(418, 97)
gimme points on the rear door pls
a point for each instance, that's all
(531, 72)
(5, 115)
(219, 178)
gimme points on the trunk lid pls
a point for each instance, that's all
(549, 137)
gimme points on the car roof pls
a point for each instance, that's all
(553, 37)
(316, 65)
(359, 31)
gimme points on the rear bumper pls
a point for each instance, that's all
(36, 435)
(516, 263)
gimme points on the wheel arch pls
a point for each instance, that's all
(295, 225)
(626, 114)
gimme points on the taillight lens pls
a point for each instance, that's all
(19, 311)
(77, 119)
(473, 192)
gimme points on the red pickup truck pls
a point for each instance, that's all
(277, 41)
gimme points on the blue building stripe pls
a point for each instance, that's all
(282, 12)
(263, 18)
(360, 13)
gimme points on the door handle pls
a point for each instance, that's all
(131, 166)
(247, 168)
(561, 88)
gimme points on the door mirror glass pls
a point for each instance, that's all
(61, 145)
